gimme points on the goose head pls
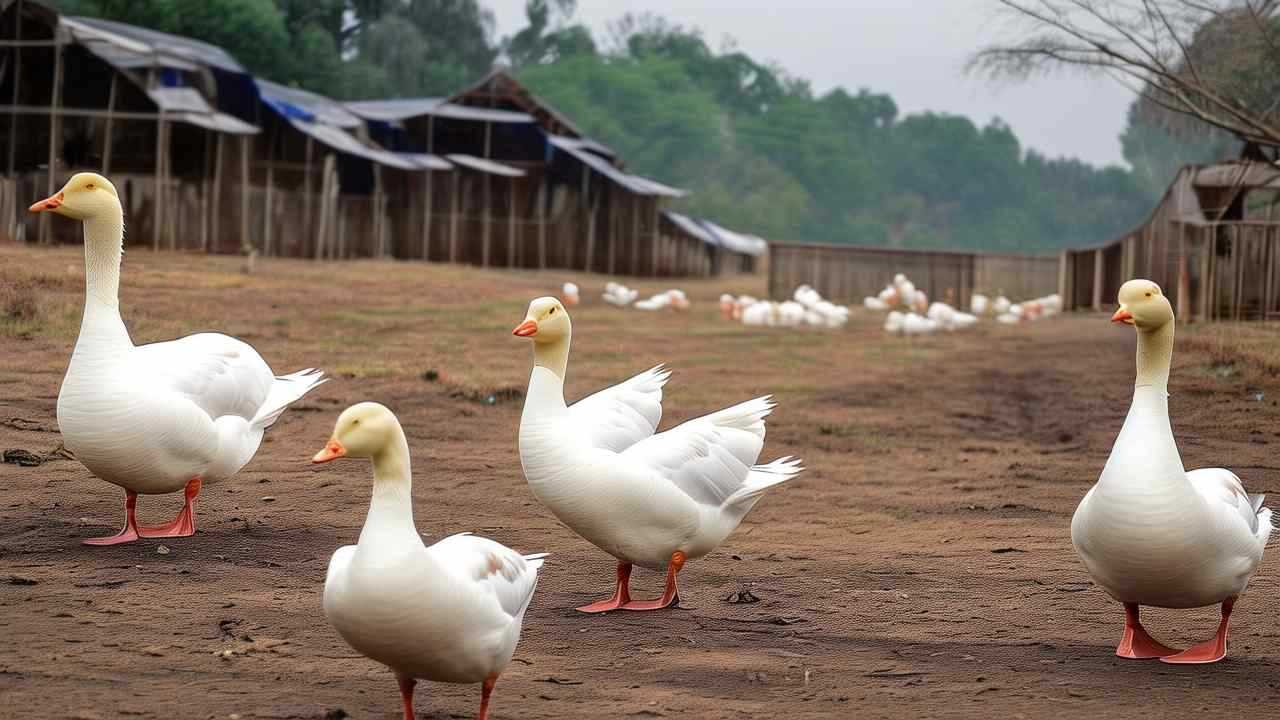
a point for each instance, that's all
(546, 322)
(1143, 306)
(85, 196)
(363, 430)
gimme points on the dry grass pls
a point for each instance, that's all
(1250, 347)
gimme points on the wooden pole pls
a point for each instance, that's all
(488, 207)
(108, 135)
(542, 223)
(613, 228)
(656, 237)
(17, 82)
(453, 219)
(308, 221)
(511, 223)
(1097, 280)
(157, 214)
(378, 250)
(244, 192)
(635, 235)
(204, 191)
(271, 182)
(216, 215)
(55, 133)
(426, 217)
(590, 209)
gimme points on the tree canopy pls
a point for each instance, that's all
(760, 149)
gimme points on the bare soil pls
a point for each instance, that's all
(921, 567)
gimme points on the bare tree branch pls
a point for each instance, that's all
(1210, 60)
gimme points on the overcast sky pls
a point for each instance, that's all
(914, 51)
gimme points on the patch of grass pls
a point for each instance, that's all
(1233, 347)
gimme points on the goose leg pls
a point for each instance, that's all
(184, 525)
(406, 695)
(621, 594)
(130, 531)
(1210, 651)
(670, 595)
(485, 691)
(1136, 644)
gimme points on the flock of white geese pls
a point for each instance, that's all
(807, 308)
(911, 313)
(178, 415)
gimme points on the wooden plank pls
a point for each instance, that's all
(487, 218)
(655, 237)
(309, 224)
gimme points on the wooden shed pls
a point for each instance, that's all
(1212, 244)
(142, 106)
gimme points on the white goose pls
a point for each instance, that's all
(649, 500)
(1151, 533)
(451, 612)
(155, 418)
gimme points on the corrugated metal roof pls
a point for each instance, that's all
(585, 144)
(691, 227)
(344, 142)
(737, 242)
(472, 162)
(179, 99)
(427, 162)
(397, 110)
(298, 104)
(142, 41)
(219, 122)
(634, 183)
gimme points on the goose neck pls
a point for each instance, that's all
(553, 355)
(1154, 358)
(391, 505)
(103, 248)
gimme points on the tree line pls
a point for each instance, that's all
(759, 148)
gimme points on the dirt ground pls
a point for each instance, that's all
(920, 568)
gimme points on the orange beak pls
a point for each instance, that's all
(332, 451)
(528, 328)
(53, 202)
(1122, 316)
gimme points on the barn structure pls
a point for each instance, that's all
(208, 158)
(1211, 244)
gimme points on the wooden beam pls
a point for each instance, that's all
(205, 189)
(1097, 280)
(310, 226)
(656, 237)
(488, 200)
(157, 210)
(542, 223)
(47, 110)
(244, 193)
(17, 83)
(216, 215)
(635, 235)
(108, 136)
(511, 223)
(453, 219)
(55, 134)
(271, 186)
(427, 201)
(590, 206)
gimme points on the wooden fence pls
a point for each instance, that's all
(847, 274)
(1209, 270)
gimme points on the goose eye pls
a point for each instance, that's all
(553, 311)
(1148, 294)
(89, 186)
